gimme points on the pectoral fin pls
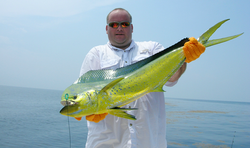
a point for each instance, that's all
(120, 112)
(111, 84)
(158, 89)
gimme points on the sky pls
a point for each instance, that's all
(43, 42)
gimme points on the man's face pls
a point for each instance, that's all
(119, 37)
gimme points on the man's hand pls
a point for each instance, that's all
(96, 117)
(193, 49)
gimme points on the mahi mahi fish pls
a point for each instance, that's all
(107, 91)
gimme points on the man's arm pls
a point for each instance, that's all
(178, 74)
(90, 62)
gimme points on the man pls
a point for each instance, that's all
(149, 130)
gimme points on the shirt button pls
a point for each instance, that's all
(130, 124)
(125, 61)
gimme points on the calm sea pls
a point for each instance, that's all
(30, 118)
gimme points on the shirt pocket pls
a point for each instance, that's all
(109, 64)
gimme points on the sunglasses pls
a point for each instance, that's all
(117, 24)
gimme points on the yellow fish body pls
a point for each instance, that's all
(107, 91)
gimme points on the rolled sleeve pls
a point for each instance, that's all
(170, 84)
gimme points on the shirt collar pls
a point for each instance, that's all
(132, 44)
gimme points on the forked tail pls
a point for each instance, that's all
(205, 36)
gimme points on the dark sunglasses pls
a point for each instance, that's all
(117, 24)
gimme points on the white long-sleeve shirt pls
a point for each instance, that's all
(149, 128)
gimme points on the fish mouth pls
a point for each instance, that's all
(68, 103)
(69, 109)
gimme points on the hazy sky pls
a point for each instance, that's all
(43, 42)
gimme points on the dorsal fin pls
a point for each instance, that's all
(101, 75)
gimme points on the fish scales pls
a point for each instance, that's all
(148, 78)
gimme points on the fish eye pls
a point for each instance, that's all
(74, 97)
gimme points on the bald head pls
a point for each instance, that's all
(121, 9)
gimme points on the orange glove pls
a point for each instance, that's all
(193, 49)
(96, 117)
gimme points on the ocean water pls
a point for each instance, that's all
(205, 124)
(30, 118)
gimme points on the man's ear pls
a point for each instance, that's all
(107, 29)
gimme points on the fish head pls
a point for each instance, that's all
(78, 101)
